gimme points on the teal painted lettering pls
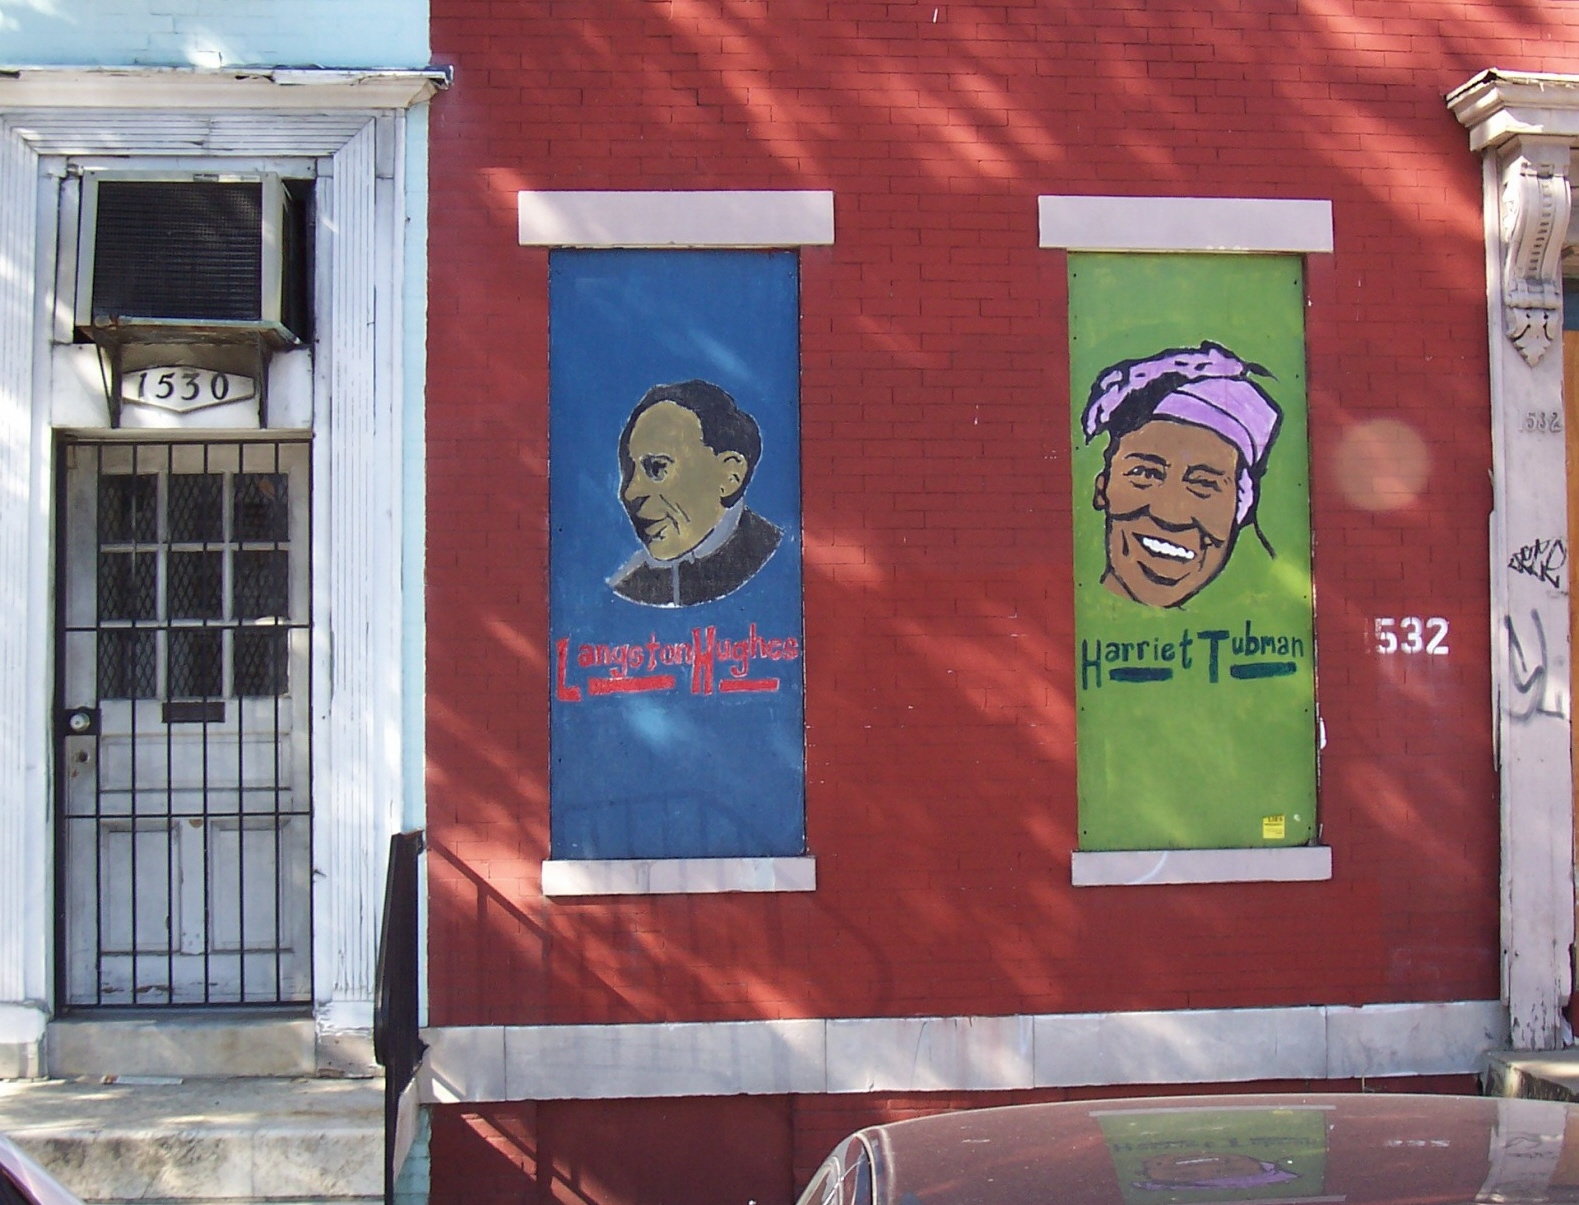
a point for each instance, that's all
(1214, 637)
(1090, 664)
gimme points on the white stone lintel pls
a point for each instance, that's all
(1243, 224)
(959, 1054)
(677, 876)
(930, 1054)
(676, 219)
(1147, 867)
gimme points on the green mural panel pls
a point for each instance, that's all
(1195, 666)
(1218, 1156)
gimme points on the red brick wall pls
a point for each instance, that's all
(940, 759)
(685, 1151)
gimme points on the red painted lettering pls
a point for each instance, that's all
(613, 685)
(565, 694)
(702, 661)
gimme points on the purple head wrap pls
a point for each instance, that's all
(1206, 385)
(1270, 1173)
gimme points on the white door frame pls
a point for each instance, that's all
(355, 124)
(1525, 127)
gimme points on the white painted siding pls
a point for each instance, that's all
(200, 33)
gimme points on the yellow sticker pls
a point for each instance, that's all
(1272, 828)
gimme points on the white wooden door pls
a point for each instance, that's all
(184, 703)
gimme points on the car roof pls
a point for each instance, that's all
(1314, 1149)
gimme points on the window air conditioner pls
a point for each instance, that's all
(186, 258)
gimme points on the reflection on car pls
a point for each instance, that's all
(24, 1182)
(1371, 1149)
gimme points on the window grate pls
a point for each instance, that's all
(185, 802)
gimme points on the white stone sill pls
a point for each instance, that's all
(1149, 867)
(612, 218)
(1242, 224)
(567, 878)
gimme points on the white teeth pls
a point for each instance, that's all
(1162, 548)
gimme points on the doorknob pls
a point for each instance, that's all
(81, 721)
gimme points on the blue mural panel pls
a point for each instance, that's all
(675, 555)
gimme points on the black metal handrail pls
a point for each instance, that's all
(397, 1041)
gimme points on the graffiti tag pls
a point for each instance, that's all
(1543, 559)
(1533, 691)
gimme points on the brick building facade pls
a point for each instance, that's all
(605, 1025)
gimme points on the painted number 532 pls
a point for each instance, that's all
(1411, 634)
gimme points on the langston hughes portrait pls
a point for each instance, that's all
(687, 454)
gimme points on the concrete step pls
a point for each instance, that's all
(217, 1044)
(213, 1141)
(1540, 1075)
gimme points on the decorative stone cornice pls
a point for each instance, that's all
(275, 88)
(1530, 121)
(1498, 105)
(1534, 222)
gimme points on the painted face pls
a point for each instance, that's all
(1170, 493)
(675, 484)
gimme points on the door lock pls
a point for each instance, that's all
(81, 721)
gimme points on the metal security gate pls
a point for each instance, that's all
(185, 849)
